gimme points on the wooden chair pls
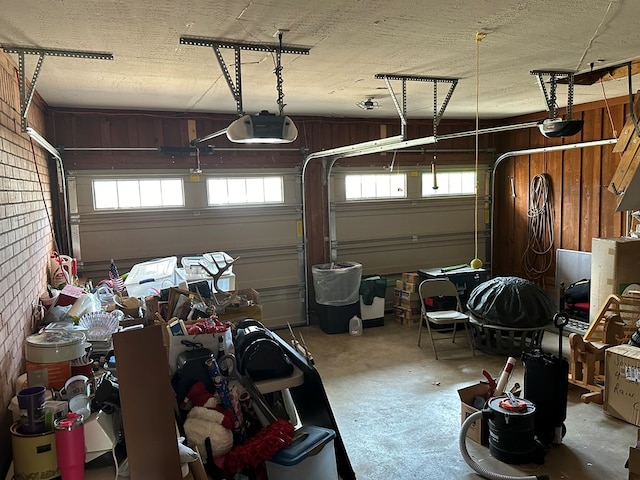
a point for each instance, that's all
(586, 362)
(442, 287)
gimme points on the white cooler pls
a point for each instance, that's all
(148, 278)
(311, 456)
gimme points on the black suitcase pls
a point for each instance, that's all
(546, 385)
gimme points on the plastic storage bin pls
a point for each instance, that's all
(148, 278)
(192, 265)
(194, 272)
(373, 290)
(337, 284)
(312, 457)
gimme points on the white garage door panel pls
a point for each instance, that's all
(266, 269)
(395, 258)
(281, 306)
(263, 237)
(404, 235)
(362, 220)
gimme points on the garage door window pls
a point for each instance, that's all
(245, 190)
(373, 186)
(449, 183)
(138, 193)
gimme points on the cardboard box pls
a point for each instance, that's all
(411, 277)
(614, 267)
(407, 316)
(236, 314)
(406, 299)
(622, 383)
(478, 431)
(142, 369)
(406, 286)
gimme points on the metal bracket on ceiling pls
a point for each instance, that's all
(236, 88)
(402, 112)
(27, 96)
(550, 97)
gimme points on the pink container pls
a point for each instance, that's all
(70, 449)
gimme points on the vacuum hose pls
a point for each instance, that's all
(480, 470)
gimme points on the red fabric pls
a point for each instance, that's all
(581, 306)
(229, 418)
(198, 394)
(260, 447)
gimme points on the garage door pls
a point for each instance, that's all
(418, 227)
(264, 235)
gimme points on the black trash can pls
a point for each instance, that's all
(337, 293)
(335, 319)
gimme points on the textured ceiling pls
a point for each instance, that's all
(349, 40)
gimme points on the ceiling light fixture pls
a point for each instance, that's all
(263, 127)
(368, 104)
(43, 142)
(555, 126)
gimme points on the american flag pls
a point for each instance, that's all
(114, 276)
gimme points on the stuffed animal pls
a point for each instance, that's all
(203, 423)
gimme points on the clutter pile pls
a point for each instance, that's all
(215, 370)
(218, 355)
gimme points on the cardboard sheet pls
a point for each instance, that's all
(147, 401)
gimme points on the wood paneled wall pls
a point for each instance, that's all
(118, 132)
(583, 207)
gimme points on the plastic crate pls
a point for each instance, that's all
(149, 278)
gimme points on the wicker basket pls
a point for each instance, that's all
(500, 340)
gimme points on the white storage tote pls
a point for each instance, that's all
(148, 278)
(311, 457)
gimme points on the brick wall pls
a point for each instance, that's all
(25, 237)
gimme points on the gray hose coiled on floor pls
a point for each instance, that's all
(480, 470)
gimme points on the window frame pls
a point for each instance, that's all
(235, 178)
(428, 175)
(141, 206)
(375, 198)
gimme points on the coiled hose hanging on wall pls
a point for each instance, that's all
(538, 255)
(479, 469)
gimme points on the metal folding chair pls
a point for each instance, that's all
(442, 287)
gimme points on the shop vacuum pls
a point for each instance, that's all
(511, 436)
(546, 384)
(521, 430)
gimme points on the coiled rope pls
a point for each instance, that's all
(538, 255)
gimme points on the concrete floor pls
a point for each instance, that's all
(398, 410)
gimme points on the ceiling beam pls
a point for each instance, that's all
(255, 47)
(237, 47)
(613, 72)
(27, 95)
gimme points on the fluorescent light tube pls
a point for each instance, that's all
(43, 142)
